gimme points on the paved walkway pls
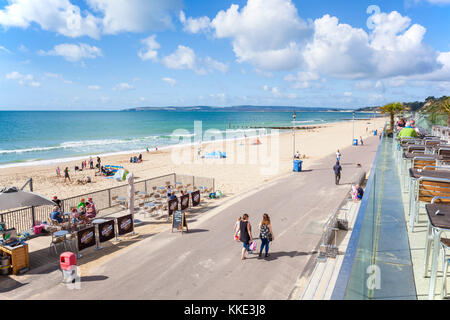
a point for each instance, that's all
(205, 263)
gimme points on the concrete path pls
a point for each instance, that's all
(205, 263)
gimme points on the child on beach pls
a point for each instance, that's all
(338, 156)
(58, 172)
(66, 174)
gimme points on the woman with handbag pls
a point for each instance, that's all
(266, 234)
(245, 236)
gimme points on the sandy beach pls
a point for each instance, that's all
(247, 164)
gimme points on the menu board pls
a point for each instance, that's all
(106, 231)
(179, 221)
(86, 238)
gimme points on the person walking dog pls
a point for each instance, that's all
(266, 234)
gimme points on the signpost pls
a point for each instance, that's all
(179, 221)
(125, 224)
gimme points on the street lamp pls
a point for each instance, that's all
(293, 131)
(353, 139)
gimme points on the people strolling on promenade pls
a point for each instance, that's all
(266, 234)
(245, 236)
(337, 172)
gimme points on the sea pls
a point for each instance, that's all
(46, 137)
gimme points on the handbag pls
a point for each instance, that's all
(270, 237)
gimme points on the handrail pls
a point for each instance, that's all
(437, 167)
(340, 289)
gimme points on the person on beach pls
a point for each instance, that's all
(361, 141)
(245, 236)
(66, 174)
(140, 158)
(236, 231)
(297, 155)
(58, 172)
(266, 234)
(75, 216)
(338, 155)
(337, 172)
(91, 163)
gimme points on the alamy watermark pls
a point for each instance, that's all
(235, 147)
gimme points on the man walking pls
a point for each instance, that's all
(337, 172)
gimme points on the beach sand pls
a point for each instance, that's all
(247, 164)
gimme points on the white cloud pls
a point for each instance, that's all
(23, 79)
(2, 48)
(59, 16)
(192, 25)
(266, 33)
(149, 52)
(134, 15)
(94, 87)
(170, 81)
(123, 86)
(73, 52)
(105, 17)
(185, 58)
(278, 94)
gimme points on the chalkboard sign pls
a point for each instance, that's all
(106, 231)
(173, 205)
(184, 202)
(195, 198)
(179, 221)
(86, 238)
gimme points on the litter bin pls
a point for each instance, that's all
(68, 263)
(5, 265)
(355, 142)
(298, 165)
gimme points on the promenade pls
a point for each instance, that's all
(205, 263)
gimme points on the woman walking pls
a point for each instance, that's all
(266, 234)
(245, 236)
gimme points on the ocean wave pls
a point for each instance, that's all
(81, 144)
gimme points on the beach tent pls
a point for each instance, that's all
(11, 198)
(216, 155)
(121, 175)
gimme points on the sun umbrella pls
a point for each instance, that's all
(11, 198)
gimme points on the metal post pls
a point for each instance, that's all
(33, 216)
(109, 198)
(353, 138)
(214, 185)
(193, 182)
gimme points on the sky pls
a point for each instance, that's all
(117, 54)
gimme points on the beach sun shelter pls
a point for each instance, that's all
(11, 198)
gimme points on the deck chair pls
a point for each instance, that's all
(426, 189)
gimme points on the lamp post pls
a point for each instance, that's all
(293, 131)
(353, 127)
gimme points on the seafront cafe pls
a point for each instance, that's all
(87, 231)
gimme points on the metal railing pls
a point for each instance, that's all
(22, 219)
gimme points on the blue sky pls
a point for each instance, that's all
(110, 55)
